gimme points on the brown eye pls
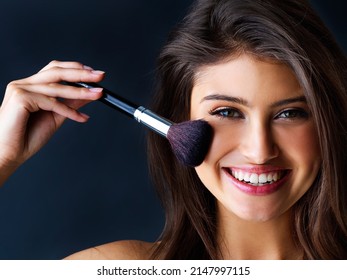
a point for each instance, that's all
(227, 113)
(293, 114)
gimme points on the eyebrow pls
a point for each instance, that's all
(289, 101)
(224, 97)
(244, 102)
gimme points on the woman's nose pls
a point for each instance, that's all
(258, 144)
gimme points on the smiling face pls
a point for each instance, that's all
(265, 154)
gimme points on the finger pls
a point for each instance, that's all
(59, 118)
(55, 106)
(65, 64)
(64, 91)
(58, 74)
(51, 90)
(34, 102)
(74, 104)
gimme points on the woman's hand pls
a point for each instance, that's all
(35, 107)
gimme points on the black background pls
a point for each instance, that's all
(89, 185)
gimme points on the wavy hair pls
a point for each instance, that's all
(288, 31)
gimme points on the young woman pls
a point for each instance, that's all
(271, 81)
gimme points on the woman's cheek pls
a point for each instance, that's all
(223, 149)
(225, 140)
(300, 144)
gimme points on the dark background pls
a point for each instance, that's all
(89, 185)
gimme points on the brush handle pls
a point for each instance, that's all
(111, 99)
(153, 121)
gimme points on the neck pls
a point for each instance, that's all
(240, 239)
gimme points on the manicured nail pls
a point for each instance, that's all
(84, 115)
(87, 67)
(95, 89)
(97, 72)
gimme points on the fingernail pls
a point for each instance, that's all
(97, 72)
(95, 89)
(87, 67)
(84, 115)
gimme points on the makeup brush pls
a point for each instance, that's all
(189, 140)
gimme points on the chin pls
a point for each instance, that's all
(252, 213)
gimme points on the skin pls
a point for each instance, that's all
(270, 128)
(118, 250)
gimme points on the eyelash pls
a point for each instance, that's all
(220, 112)
(298, 114)
(231, 112)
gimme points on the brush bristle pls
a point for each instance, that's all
(190, 141)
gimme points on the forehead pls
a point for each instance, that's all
(245, 76)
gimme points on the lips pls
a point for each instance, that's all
(257, 181)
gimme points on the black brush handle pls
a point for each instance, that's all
(111, 99)
(139, 113)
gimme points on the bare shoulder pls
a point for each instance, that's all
(118, 250)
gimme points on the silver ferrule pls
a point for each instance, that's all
(152, 120)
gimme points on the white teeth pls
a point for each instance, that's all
(255, 179)
(241, 175)
(269, 177)
(262, 178)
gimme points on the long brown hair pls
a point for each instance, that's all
(288, 31)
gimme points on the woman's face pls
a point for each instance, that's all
(265, 154)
